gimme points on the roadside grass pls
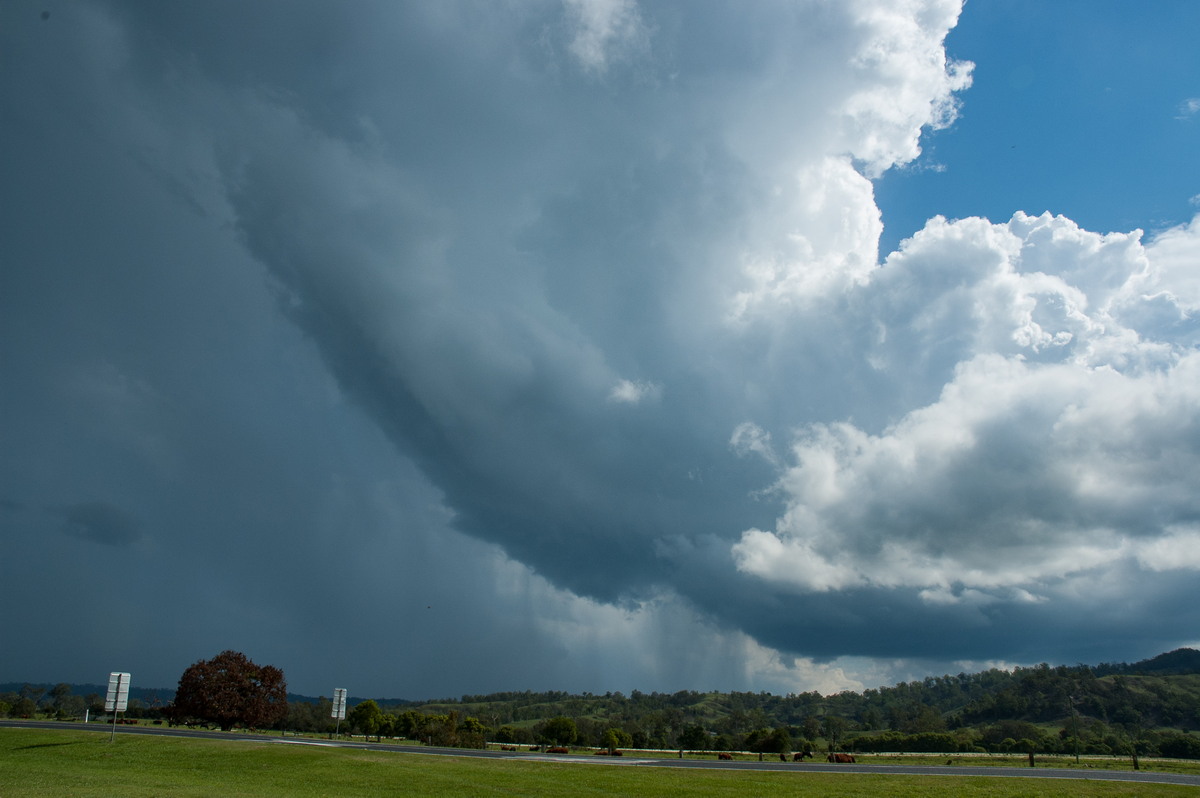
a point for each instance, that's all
(1059, 761)
(40, 762)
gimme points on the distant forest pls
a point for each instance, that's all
(1146, 708)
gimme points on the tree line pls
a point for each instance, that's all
(1148, 708)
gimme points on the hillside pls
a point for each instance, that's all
(1102, 708)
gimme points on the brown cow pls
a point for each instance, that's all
(840, 758)
(800, 756)
(558, 750)
(724, 755)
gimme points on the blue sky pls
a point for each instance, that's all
(1077, 108)
(430, 349)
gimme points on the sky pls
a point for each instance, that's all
(427, 349)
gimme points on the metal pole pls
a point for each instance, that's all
(1074, 727)
(116, 703)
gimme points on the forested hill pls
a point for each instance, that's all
(1181, 661)
(1163, 691)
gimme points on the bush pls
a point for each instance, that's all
(1180, 746)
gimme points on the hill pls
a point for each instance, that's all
(1101, 708)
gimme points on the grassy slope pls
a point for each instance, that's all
(38, 763)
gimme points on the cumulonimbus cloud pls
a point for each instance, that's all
(607, 275)
(1062, 442)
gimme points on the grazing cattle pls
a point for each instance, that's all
(841, 758)
(558, 750)
(724, 755)
(508, 748)
(800, 756)
(782, 757)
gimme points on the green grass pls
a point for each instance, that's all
(38, 762)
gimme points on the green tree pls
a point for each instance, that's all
(693, 737)
(58, 694)
(472, 733)
(23, 707)
(755, 740)
(835, 728)
(614, 738)
(366, 717)
(780, 741)
(1180, 746)
(387, 726)
(71, 706)
(443, 729)
(33, 692)
(560, 731)
(410, 724)
(231, 690)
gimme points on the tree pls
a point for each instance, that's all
(835, 729)
(367, 717)
(1180, 746)
(59, 693)
(781, 740)
(230, 690)
(24, 707)
(693, 737)
(560, 731)
(387, 726)
(472, 733)
(614, 738)
(442, 729)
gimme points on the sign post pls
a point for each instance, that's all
(117, 699)
(339, 708)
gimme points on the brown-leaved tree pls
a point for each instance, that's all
(230, 690)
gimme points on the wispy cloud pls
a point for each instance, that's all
(604, 31)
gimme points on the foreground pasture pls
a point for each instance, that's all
(39, 762)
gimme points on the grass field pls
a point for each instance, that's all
(38, 762)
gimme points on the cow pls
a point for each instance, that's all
(800, 756)
(723, 755)
(558, 750)
(840, 758)
(782, 757)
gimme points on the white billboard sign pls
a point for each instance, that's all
(118, 692)
(339, 704)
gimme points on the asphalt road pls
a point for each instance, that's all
(1140, 776)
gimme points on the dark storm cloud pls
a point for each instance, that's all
(101, 522)
(557, 332)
